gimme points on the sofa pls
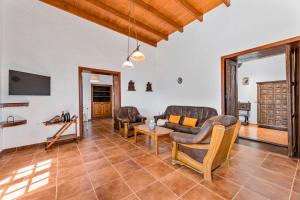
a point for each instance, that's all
(200, 113)
(128, 117)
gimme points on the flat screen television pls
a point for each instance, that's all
(22, 83)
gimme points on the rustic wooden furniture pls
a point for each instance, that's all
(154, 20)
(101, 101)
(156, 134)
(291, 48)
(245, 108)
(6, 124)
(59, 137)
(128, 117)
(215, 153)
(19, 104)
(272, 104)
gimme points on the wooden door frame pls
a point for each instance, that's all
(275, 48)
(116, 96)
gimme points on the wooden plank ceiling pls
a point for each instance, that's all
(155, 20)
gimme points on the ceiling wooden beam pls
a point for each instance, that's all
(158, 14)
(192, 10)
(227, 2)
(93, 18)
(137, 23)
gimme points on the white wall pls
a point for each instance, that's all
(42, 39)
(267, 69)
(104, 79)
(196, 54)
(1, 56)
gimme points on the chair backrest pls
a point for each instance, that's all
(200, 113)
(129, 112)
(244, 106)
(224, 134)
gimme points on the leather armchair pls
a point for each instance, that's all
(127, 118)
(209, 148)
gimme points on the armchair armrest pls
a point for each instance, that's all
(141, 118)
(159, 117)
(123, 120)
(183, 138)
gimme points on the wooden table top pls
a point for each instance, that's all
(158, 130)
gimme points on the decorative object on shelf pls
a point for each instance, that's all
(179, 80)
(10, 119)
(131, 86)
(245, 81)
(152, 124)
(149, 87)
(136, 55)
(63, 118)
(95, 78)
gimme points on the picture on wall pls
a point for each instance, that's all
(245, 81)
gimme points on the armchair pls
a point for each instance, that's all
(208, 149)
(128, 117)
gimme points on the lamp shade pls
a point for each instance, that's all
(94, 78)
(128, 64)
(137, 55)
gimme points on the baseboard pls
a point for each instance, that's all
(13, 149)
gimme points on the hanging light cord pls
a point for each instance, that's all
(137, 42)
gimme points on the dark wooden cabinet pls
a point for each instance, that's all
(101, 101)
(272, 104)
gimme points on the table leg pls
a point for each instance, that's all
(156, 145)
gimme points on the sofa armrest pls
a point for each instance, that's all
(159, 117)
(183, 138)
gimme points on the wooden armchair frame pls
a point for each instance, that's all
(125, 129)
(218, 150)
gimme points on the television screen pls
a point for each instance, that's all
(22, 83)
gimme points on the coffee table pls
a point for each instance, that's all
(156, 134)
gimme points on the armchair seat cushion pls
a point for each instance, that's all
(196, 154)
(181, 128)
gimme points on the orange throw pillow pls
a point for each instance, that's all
(190, 122)
(174, 119)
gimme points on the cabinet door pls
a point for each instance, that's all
(107, 109)
(98, 110)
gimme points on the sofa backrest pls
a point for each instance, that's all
(200, 113)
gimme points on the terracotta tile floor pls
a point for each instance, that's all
(272, 136)
(105, 166)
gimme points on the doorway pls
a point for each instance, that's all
(99, 95)
(231, 105)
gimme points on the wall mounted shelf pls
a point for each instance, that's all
(20, 104)
(6, 124)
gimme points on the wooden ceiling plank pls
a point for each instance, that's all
(81, 13)
(192, 10)
(158, 14)
(227, 2)
(137, 23)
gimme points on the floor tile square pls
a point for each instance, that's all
(156, 191)
(114, 190)
(139, 179)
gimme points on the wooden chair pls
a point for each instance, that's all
(215, 145)
(245, 107)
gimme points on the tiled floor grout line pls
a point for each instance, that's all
(56, 178)
(88, 175)
(294, 179)
(133, 192)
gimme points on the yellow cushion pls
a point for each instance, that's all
(174, 119)
(190, 122)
